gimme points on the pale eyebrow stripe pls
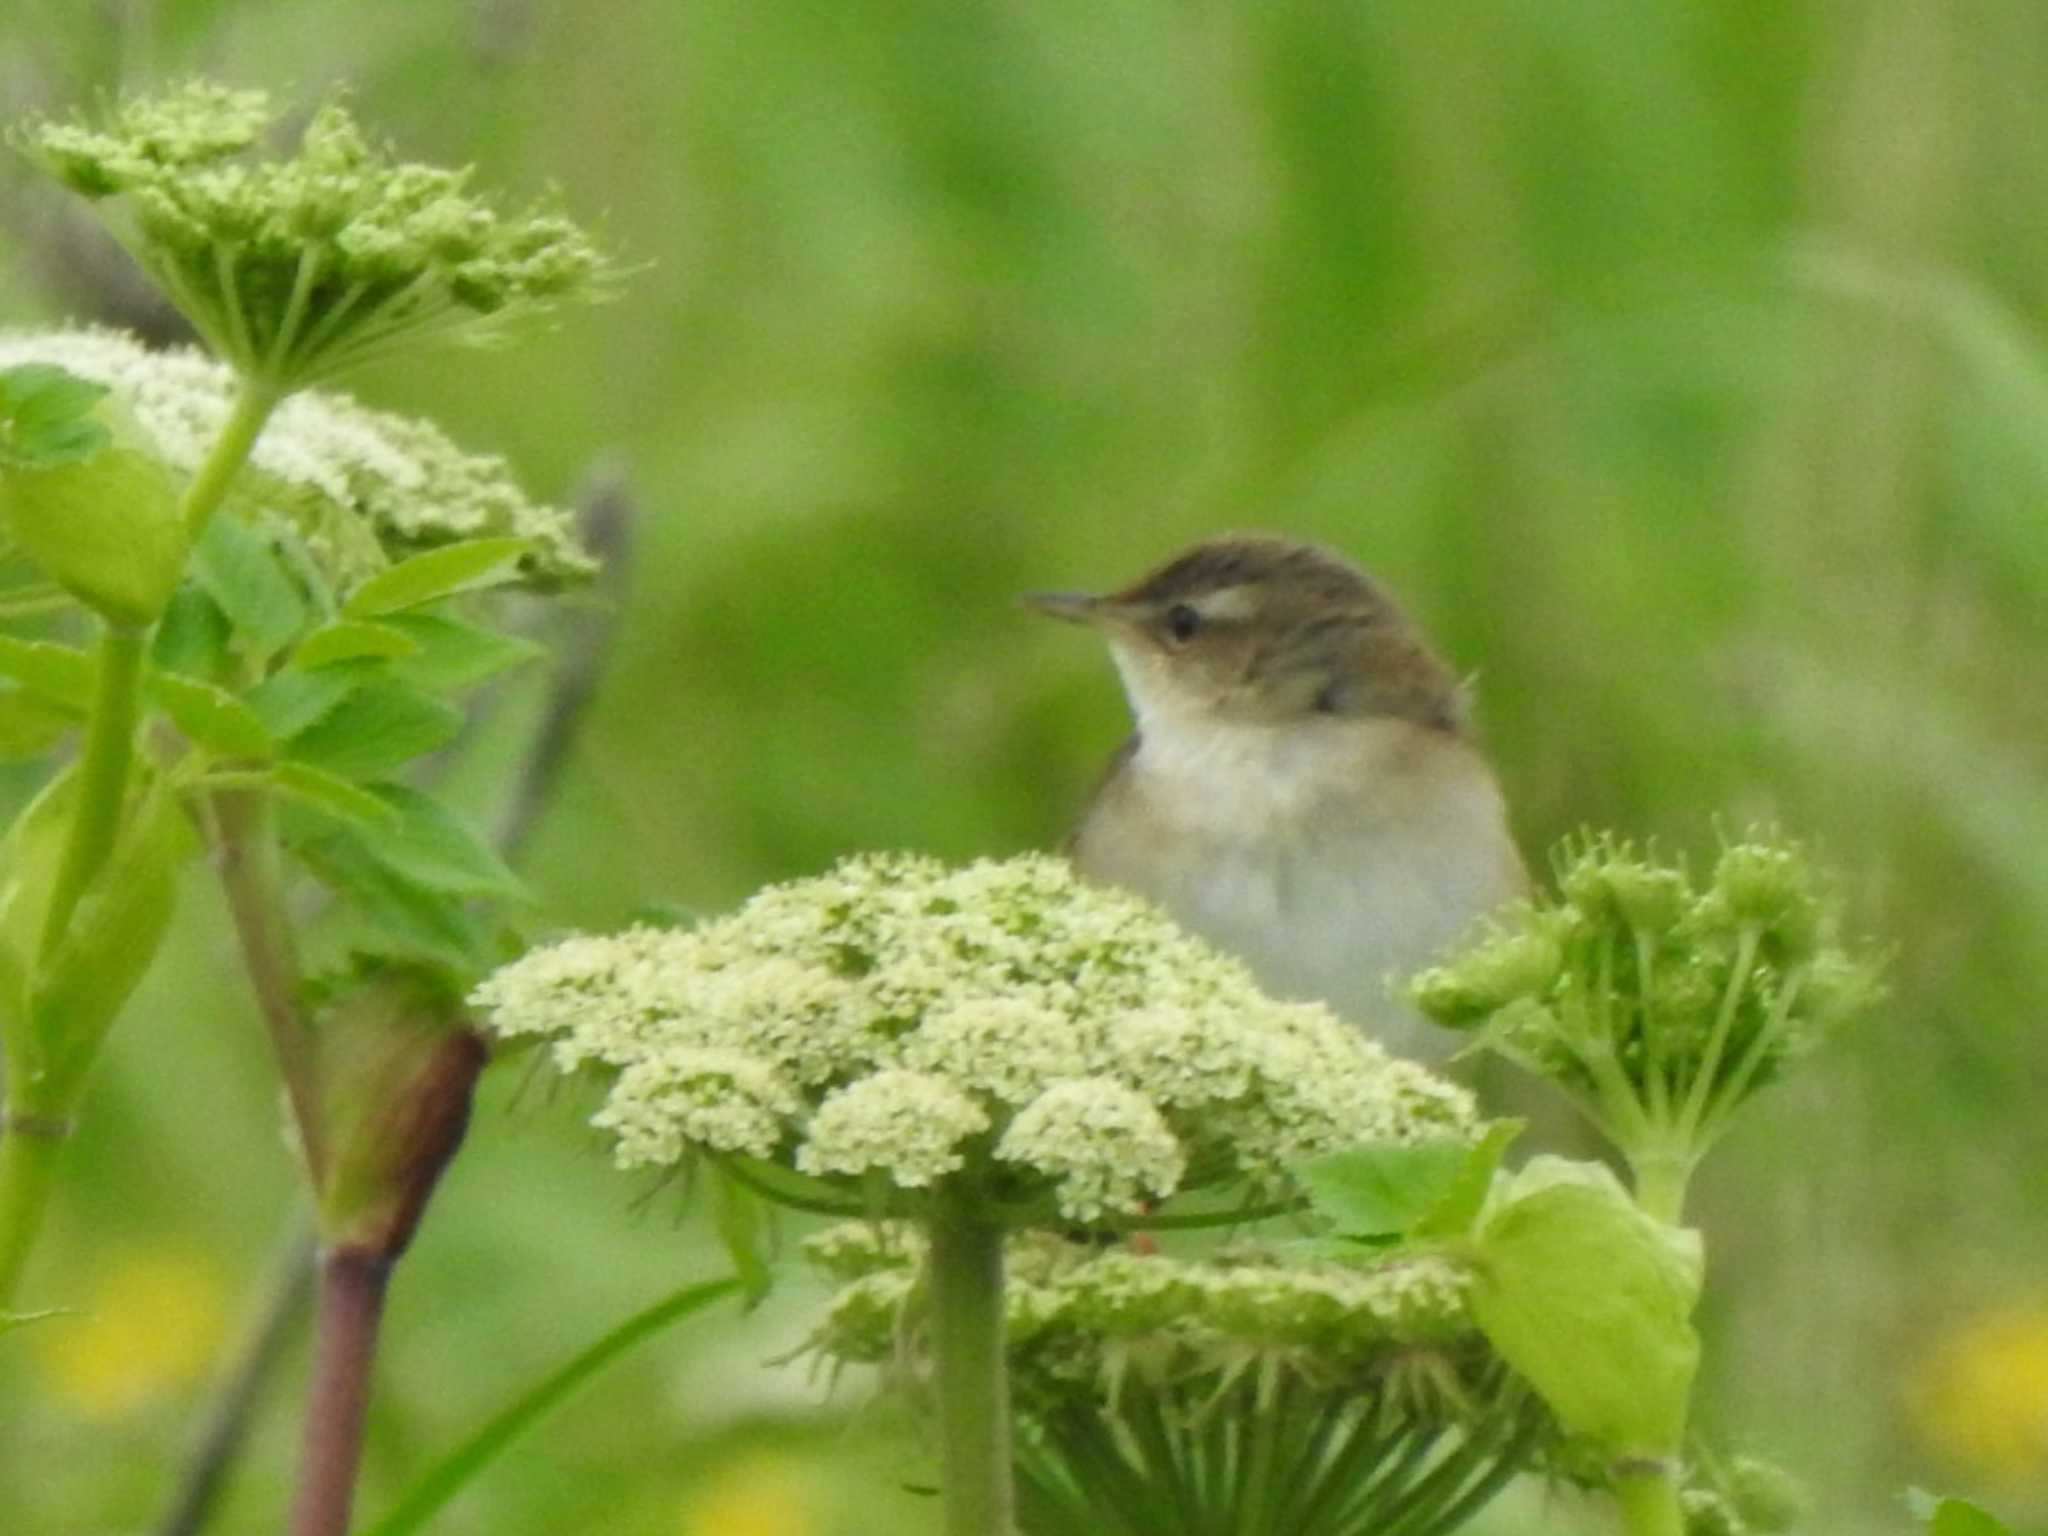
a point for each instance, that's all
(1228, 603)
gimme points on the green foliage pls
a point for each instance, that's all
(1421, 1189)
(1949, 1516)
(46, 417)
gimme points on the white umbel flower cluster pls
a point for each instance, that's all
(1061, 1045)
(362, 487)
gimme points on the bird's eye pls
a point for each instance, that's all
(1182, 621)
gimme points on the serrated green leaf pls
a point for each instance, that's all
(45, 416)
(237, 568)
(351, 640)
(452, 656)
(436, 574)
(212, 717)
(192, 637)
(447, 1478)
(1466, 1197)
(56, 674)
(39, 393)
(375, 729)
(434, 848)
(334, 796)
(418, 923)
(1384, 1188)
(289, 702)
(29, 726)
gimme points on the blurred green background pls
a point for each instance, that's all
(1680, 361)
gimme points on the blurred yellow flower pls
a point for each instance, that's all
(759, 1494)
(1982, 1398)
(151, 1327)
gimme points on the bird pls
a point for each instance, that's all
(1302, 785)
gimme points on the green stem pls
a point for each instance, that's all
(246, 858)
(972, 1389)
(102, 777)
(230, 451)
(1661, 1181)
(1648, 1500)
(28, 1166)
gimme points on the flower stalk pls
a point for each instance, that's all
(353, 1283)
(970, 1378)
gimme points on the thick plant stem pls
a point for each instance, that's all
(246, 857)
(209, 485)
(28, 1166)
(973, 1399)
(352, 1286)
(1661, 1183)
(102, 776)
(1648, 1499)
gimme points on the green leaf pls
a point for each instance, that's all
(289, 702)
(452, 656)
(237, 568)
(55, 674)
(434, 848)
(413, 922)
(46, 416)
(433, 1492)
(106, 528)
(193, 635)
(1953, 1516)
(212, 717)
(1384, 1188)
(335, 796)
(351, 640)
(30, 726)
(436, 574)
(1467, 1195)
(374, 729)
(1591, 1299)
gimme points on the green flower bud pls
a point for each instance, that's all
(1769, 1499)
(1520, 958)
(1771, 888)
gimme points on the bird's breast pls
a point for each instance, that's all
(1326, 859)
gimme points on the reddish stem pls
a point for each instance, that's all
(352, 1286)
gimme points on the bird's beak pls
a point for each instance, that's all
(1081, 608)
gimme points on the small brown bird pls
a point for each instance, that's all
(1301, 788)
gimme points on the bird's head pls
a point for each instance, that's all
(1258, 629)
